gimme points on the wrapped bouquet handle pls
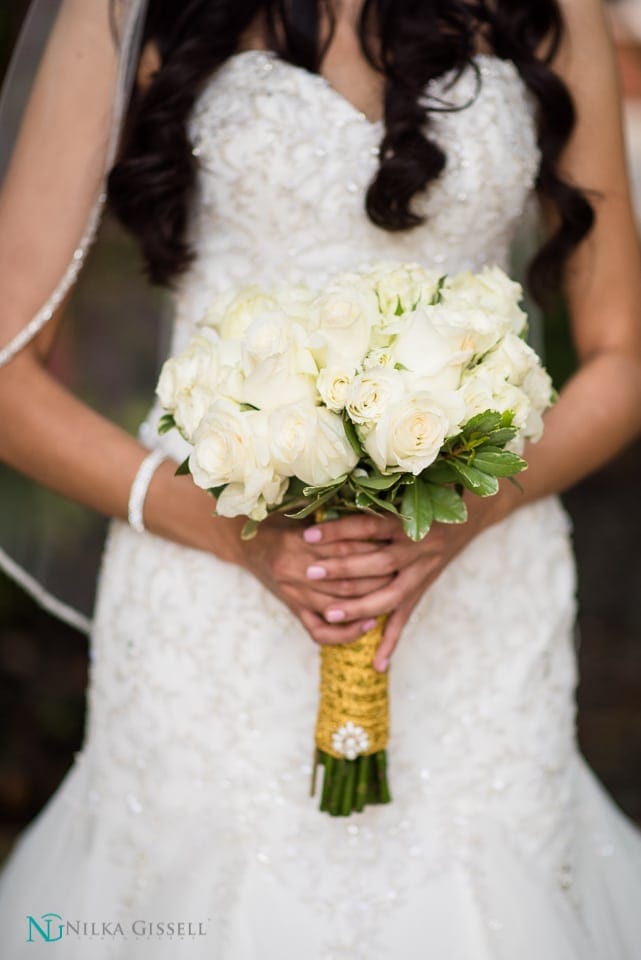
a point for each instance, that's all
(352, 727)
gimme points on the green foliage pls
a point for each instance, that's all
(417, 509)
(249, 530)
(166, 423)
(498, 463)
(438, 295)
(447, 504)
(352, 436)
(475, 480)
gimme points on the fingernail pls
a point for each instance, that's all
(369, 625)
(312, 535)
(316, 573)
(335, 616)
(382, 666)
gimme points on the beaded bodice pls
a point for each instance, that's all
(285, 161)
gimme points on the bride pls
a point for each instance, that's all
(285, 141)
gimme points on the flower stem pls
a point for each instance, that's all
(349, 785)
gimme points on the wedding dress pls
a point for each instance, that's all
(189, 800)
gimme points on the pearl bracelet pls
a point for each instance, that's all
(139, 488)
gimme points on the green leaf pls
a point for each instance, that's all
(320, 491)
(498, 463)
(352, 436)
(475, 480)
(447, 505)
(482, 423)
(438, 294)
(250, 530)
(166, 423)
(248, 406)
(183, 470)
(216, 491)
(440, 472)
(366, 499)
(296, 487)
(498, 438)
(377, 481)
(416, 507)
(314, 505)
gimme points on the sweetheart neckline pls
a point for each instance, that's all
(322, 81)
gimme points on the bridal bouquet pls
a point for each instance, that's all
(392, 389)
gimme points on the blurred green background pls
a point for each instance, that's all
(43, 664)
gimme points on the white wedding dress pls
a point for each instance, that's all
(189, 800)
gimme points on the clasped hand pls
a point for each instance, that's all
(338, 576)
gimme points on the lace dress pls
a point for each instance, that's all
(189, 800)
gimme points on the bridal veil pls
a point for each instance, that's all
(61, 114)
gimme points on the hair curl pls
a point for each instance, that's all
(152, 183)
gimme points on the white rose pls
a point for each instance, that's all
(292, 429)
(428, 346)
(449, 400)
(511, 360)
(331, 454)
(295, 300)
(310, 443)
(240, 312)
(538, 386)
(342, 318)
(224, 446)
(371, 393)
(505, 396)
(490, 291)
(380, 357)
(268, 335)
(333, 385)
(409, 435)
(188, 383)
(252, 498)
(274, 334)
(476, 391)
(278, 381)
(399, 290)
(482, 393)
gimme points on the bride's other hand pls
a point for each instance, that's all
(284, 561)
(409, 568)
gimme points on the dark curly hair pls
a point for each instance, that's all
(151, 185)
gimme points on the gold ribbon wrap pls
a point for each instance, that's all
(351, 689)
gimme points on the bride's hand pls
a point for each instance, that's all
(408, 568)
(284, 560)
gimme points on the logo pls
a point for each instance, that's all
(46, 929)
(50, 927)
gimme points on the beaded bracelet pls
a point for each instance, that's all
(139, 489)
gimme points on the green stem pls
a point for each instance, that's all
(328, 772)
(348, 793)
(336, 796)
(361, 783)
(350, 785)
(381, 769)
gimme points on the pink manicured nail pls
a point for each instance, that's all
(335, 616)
(312, 535)
(316, 573)
(382, 666)
(369, 625)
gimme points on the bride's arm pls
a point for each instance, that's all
(599, 411)
(46, 432)
(48, 193)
